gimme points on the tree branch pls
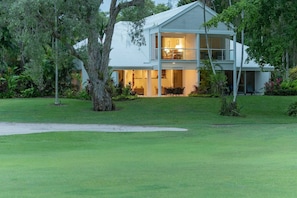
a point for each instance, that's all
(70, 47)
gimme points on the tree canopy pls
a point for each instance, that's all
(37, 23)
(269, 29)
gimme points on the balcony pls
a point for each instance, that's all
(191, 54)
(217, 54)
(179, 54)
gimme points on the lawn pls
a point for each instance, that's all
(250, 156)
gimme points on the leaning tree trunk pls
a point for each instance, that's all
(98, 73)
(206, 38)
(98, 53)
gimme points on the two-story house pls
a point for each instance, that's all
(174, 52)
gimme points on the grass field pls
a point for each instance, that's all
(250, 156)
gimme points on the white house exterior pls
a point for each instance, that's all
(174, 52)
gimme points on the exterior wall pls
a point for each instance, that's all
(192, 20)
(190, 43)
(260, 79)
(84, 75)
(190, 79)
(147, 80)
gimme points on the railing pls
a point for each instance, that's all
(217, 54)
(180, 53)
(191, 54)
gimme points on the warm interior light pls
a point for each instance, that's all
(179, 48)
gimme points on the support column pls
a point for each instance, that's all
(234, 70)
(198, 58)
(149, 83)
(244, 82)
(198, 78)
(159, 66)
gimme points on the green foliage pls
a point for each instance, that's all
(214, 84)
(269, 28)
(125, 94)
(135, 13)
(218, 83)
(29, 93)
(205, 82)
(9, 83)
(229, 108)
(293, 73)
(14, 85)
(292, 109)
(281, 88)
(216, 5)
(77, 94)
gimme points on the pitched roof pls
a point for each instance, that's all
(124, 53)
(160, 18)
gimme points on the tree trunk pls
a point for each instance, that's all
(97, 69)
(101, 99)
(98, 53)
(206, 38)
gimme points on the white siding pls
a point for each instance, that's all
(192, 20)
(260, 79)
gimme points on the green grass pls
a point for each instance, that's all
(251, 156)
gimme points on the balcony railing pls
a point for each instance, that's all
(180, 54)
(217, 54)
(191, 54)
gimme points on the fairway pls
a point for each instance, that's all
(251, 156)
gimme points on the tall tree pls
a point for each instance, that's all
(134, 13)
(8, 46)
(216, 5)
(76, 19)
(269, 30)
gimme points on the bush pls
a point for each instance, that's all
(73, 93)
(292, 110)
(293, 73)
(29, 93)
(285, 88)
(229, 108)
(272, 85)
(218, 84)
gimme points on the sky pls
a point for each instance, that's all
(105, 5)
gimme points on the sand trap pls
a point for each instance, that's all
(28, 128)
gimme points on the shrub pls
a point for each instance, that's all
(218, 84)
(272, 85)
(82, 94)
(29, 93)
(292, 110)
(229, 108)
(293, 73)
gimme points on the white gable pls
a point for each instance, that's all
(186, 17)
(193, 19)
(124, 53)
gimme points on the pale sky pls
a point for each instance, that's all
(105, 5)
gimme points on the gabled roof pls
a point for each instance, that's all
(124, 53)
(161, 18)
(247, 65)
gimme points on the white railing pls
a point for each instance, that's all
(191, 54)
(217, 54)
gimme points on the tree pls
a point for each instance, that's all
(269, 30)
(135, 13)
(77, 19)
(216, 5)
(8, 46)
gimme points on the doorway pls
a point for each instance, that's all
(177, 78)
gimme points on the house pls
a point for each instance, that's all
(174, 53)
